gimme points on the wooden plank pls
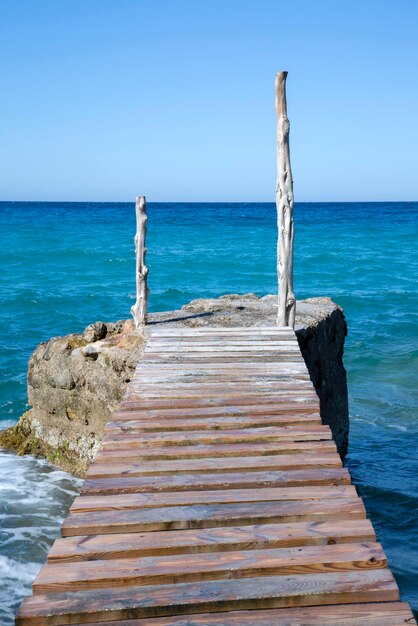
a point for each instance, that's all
(374, 614)
(150, 500)
(226, 480)
(303, 409)
(292, 365)
(229, 349)
(224, 538)
(202, 400)
(227, 422)
(209, 566)
(214, 394)
(114, 450)
(144, 403)
(209, 516)
(222, 345)
(216, 373)
(209, 596)
(208, 343)
(247, 364)
(162, 328)
(215, 381)
(242, 435)
(283, 349)
(253, 384)
(242, 354)
(231, 335)
(218, 376)
(134, 410)
(212, 465)
(219, 383)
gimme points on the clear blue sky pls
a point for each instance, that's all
(105, 99)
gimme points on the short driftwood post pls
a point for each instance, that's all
(140, 308)
(284, 203)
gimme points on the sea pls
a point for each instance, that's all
(65, 265)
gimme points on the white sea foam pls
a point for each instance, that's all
(35, 497)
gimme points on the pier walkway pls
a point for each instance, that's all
(218, 499)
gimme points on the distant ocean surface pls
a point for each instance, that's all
(65, 265)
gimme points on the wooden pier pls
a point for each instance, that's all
(218, 499)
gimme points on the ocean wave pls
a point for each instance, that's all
(35, 497)
(17, 577)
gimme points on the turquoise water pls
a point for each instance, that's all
(65, 265)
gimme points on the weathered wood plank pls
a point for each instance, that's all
(220, 384)
(209, 516)
(284, 349)
(211, 394)
(242, 356)
(134, 410)
(252, 383)
(176, 400)
(150, 500)
(246, 364)
(212, 465)
(214, 539)
(305, 408)
(234, 345)
(293, 361)
(162, 600)
(374, 614)
(161, 330)
(115, 450)
(226, 480)
(227, 422)
(242, 435)
(209, 566)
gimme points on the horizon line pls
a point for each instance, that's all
(207, 201)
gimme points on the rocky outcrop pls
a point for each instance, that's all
(76, 382)
(321, 339)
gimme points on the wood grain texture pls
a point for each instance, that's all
(212, 465)
(224, 538)
(234, 436)
(284, 202)
(298, 409)
(228, 421)
(118, 502)
(218, 498)
(196, 400)
(209, 515)
(140, 308)
(225, 480)
(135, 450)
(309, 421)
(375, 614)
(209, 566)
(210, 596)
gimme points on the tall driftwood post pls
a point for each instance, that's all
(140, 308)
(284, 203)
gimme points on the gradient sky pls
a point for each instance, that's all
(174, 99)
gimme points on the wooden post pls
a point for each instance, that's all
(284, 203)
(140, 309)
